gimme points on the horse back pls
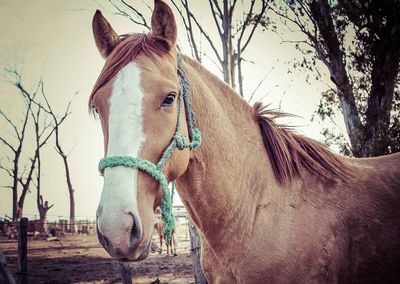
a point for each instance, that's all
(372, 223)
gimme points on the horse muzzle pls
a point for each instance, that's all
(122, 238)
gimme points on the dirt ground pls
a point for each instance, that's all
(81, 259)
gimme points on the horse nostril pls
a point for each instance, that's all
(133, 229)
(104, 241)
(136, 230)
(124, 240)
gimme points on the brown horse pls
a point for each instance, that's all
(159, 226)
(272, 206)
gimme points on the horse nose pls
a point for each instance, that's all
(119, 242)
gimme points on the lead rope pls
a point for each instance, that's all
(178, 141)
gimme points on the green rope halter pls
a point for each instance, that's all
(178, 141)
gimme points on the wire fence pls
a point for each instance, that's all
(57, 228)
(9, 229)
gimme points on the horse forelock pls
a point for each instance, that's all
(291, 153)
(127, 50)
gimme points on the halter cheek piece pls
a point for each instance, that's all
(178, 141)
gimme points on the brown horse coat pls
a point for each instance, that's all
(341, 225)
(272, 206)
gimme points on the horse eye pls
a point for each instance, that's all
(169, 100)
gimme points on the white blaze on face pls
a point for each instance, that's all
(119, 195)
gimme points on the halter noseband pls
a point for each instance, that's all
(178, 141)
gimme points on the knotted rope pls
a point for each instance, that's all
(178, 141)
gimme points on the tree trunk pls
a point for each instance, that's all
(26, 184)
(195, 247)
(239, 66)
(126, 273)
(233, 70)
(15, 212)
(383, 77)
(72, 227)
(320, 11)
(226, 46)
(42, 221)
(21, 201)
(42, 207)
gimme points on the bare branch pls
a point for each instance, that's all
(207, 37)
(11, 123)
(214, 13)
(189, 31)
(140, 15)
(298, 24)
(45, 127)
(7, 144)
(255, 25)
(121, 12)
(6, 186)
(213, 61)
(218, 8)
(147, 5)
(246, 22)
(261, 81)
(232, 8)
(9, 172)
(306, 10)
(57, 122)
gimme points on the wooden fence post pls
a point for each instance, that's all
(195, 247)
(126, 273)
(23, 251)
(7, 273)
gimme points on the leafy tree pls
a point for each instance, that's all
(359, 43)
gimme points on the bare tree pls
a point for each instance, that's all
(235, 31)
(14, 171)
(39, 129)
(21, 172)
(56, 123)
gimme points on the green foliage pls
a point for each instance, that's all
(359, 43)
(327, 107)
(337, 140)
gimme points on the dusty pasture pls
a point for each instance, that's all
(81, 259)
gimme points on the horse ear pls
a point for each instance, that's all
(104, 35)
(163, 22)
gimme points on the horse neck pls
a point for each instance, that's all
(231, 171)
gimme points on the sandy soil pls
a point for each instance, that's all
(81, 259)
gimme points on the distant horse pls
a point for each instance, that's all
(272, 206)
(159, 226)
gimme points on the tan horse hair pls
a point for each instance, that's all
(128, 49)
(272, 206)
(289, 153)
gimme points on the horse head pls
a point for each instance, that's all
(137, 97)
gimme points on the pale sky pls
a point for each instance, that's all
(53, 39)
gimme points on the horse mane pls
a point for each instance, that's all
(127, 49)
(290, 153)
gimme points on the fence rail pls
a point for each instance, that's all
(9, 229)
